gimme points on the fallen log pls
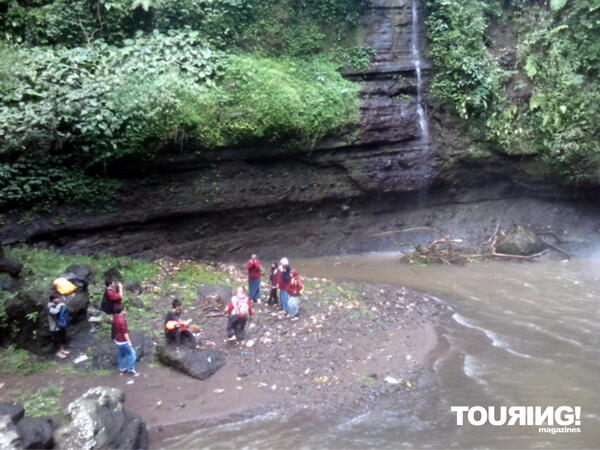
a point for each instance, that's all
(521, 257)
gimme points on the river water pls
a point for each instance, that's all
(516, 334)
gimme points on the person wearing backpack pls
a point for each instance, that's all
(126, 355)
(113, 296)
(57, 323)
(239, 310)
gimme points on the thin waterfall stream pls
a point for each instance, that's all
(417, 58)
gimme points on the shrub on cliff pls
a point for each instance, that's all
(536, 91)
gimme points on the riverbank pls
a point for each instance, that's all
(351, 343)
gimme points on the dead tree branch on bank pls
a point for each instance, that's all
(444, 251)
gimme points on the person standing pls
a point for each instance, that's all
(284, 281)
(58, 327)
(239, 310)
(126, 356)
(295, 292)
(253, 266)
(113, 294)
(273, 282)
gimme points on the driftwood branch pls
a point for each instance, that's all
(558, 249)
(387, 233)
(521, 257)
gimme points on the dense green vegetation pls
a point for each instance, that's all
(86, 84)
(524, 75)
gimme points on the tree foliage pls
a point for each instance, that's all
(547, 102)
(86, 83)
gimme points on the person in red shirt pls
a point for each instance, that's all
(295, 291)
(253, 265)
(126, 356)
(284, 280)
(239, 310)
(114, 293)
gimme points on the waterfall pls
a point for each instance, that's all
(417, 61)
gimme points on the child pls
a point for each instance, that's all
(57, 329)
(295, 291)
(239, 309)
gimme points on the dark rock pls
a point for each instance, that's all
(105, 354)
(14, 411)
(113, 274)
(13, 268)
(136, 301)
(214, 292)
(24, 303)
(197, 364)
(520, 242)
(9, 284)
(134, 433)
(97, 420)
(133, 286)
(77, 303)
(83, 275)
(36, 432)
(9, 437)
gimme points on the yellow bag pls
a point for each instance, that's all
(64, 286)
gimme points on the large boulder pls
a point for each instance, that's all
(12, 410)
(520, 242)
(9, 284)
(105, 354)
(36, 432)
(97, 420)
(197, 364)
(83, 274)
(77, 303)
(11, 267)
(9, 437)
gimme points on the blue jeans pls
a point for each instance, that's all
(283, 297)
(126, 357)
(293, 306)
(254, 288)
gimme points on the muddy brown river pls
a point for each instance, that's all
(515, 334)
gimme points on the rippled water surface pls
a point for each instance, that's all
(517, 334)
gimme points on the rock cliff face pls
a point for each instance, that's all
(374, 177)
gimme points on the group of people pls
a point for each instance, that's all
(285, 283)
(286, 288)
